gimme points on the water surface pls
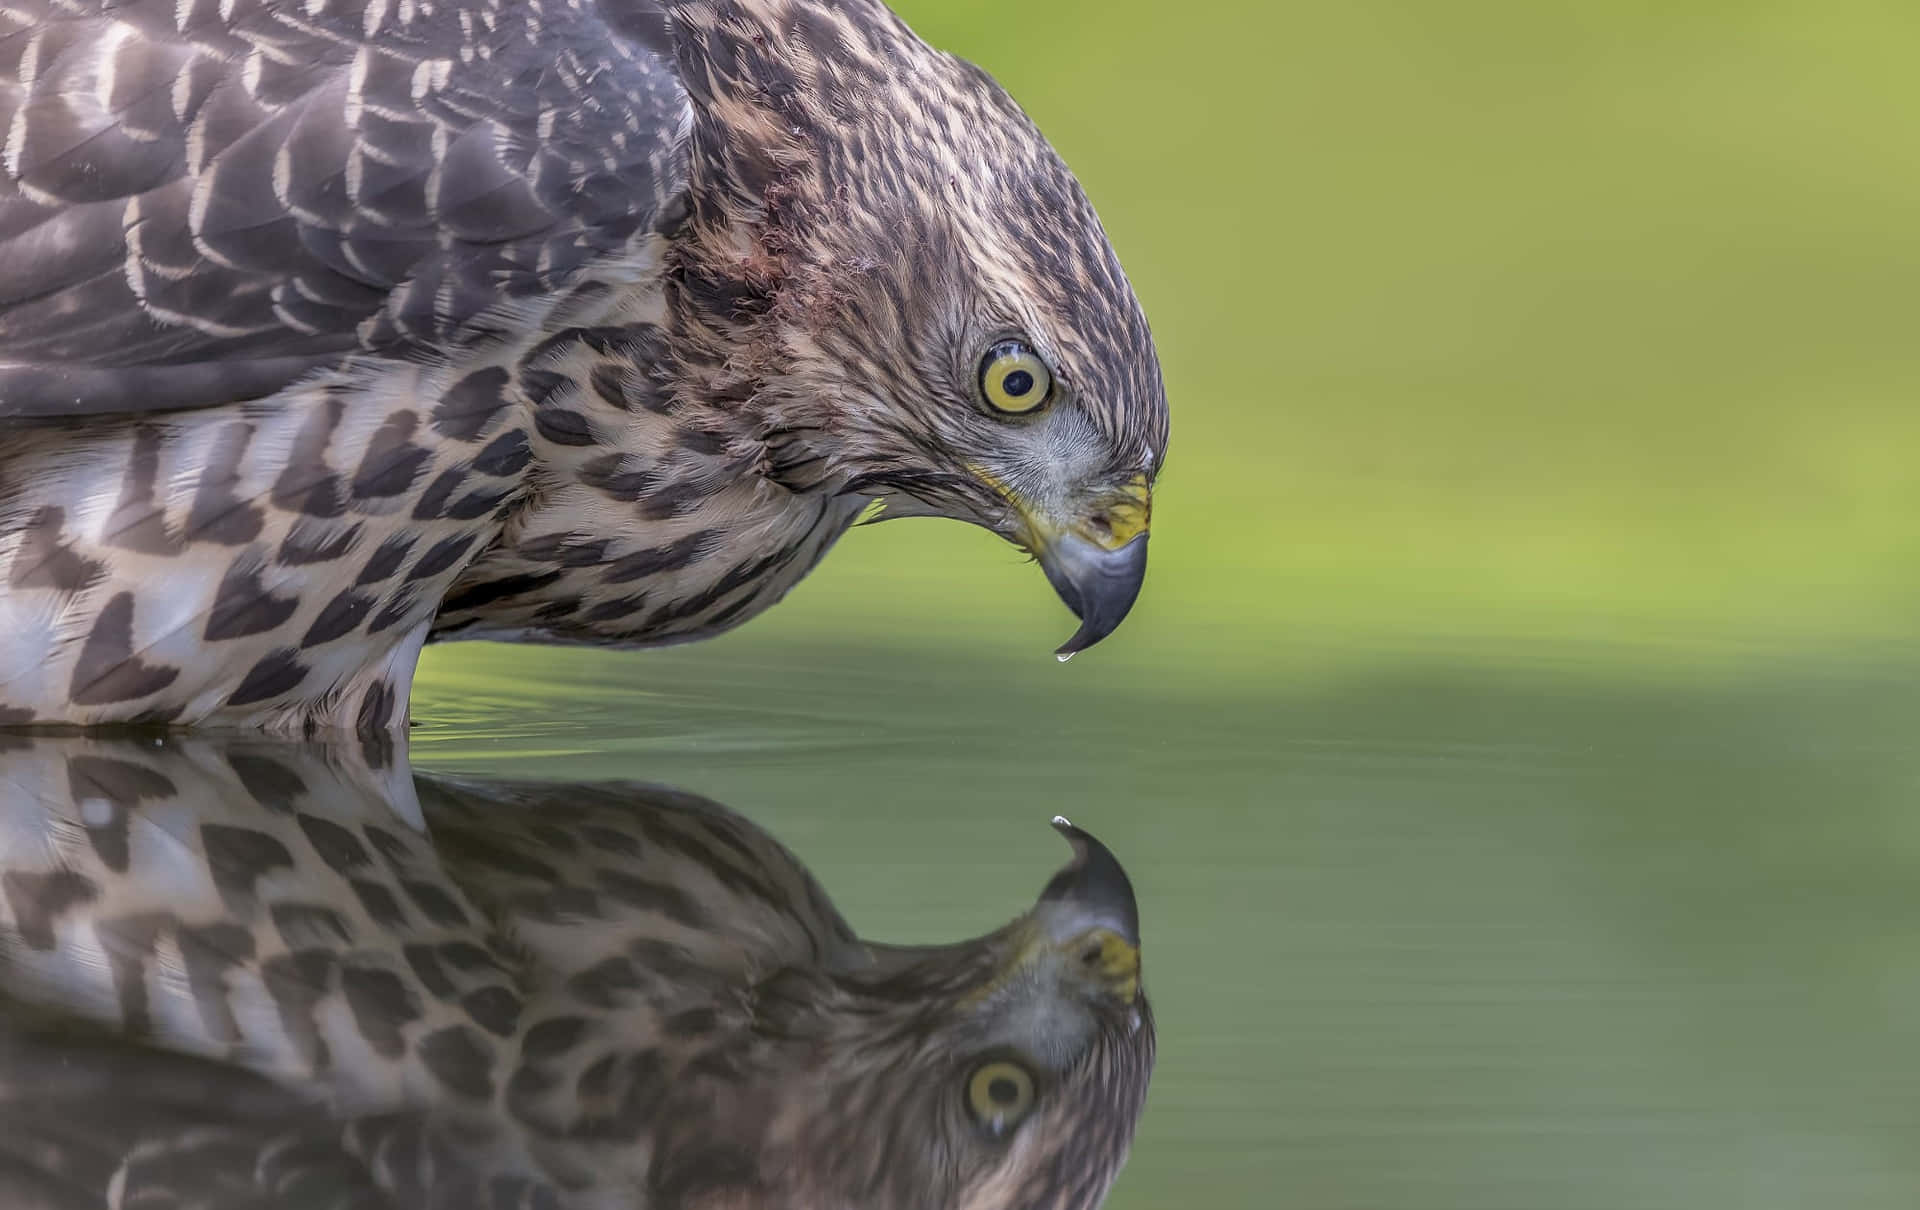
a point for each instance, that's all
(1425, 932)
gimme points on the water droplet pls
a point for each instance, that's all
(1063, 656)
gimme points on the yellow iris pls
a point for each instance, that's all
(1000, 1094)
(1014, 379)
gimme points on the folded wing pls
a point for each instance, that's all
(202, 200)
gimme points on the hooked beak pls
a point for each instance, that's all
(1094, 885)
(1089, 908)
(1099, 585)
(1096, 562)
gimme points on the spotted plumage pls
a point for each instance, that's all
(333, 327)
(236, 974)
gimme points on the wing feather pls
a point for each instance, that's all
(202, 201)
(88, 1121)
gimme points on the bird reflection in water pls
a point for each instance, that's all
(240, 974)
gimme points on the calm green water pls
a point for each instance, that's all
(1423, 932)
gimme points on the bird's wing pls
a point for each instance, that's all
(88, 1121)
(202, 200)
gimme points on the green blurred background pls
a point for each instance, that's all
(1514, 744)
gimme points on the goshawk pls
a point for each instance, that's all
(330, 327)
(233, 977)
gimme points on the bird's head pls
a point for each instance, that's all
(1003, 1073)
(904, 285)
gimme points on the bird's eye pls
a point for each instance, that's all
(1014, 380)
(1000, 1095)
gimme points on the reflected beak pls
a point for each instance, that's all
(1098, 584)
(1094, 885)
(1089, 910)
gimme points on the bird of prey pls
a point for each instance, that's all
(231, 976)
(332, 327)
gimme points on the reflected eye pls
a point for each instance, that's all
(1000, 1095)
(1014, 379)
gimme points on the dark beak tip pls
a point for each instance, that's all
(1079, 839)
(1100, 586)
(1095, 881)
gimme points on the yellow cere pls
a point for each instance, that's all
(1108, 956)
(1117, 521)
(1125, 517)
(1015, 380)
(1100, 954)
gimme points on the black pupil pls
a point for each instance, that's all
(1018, 383)
(1003, 1091)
